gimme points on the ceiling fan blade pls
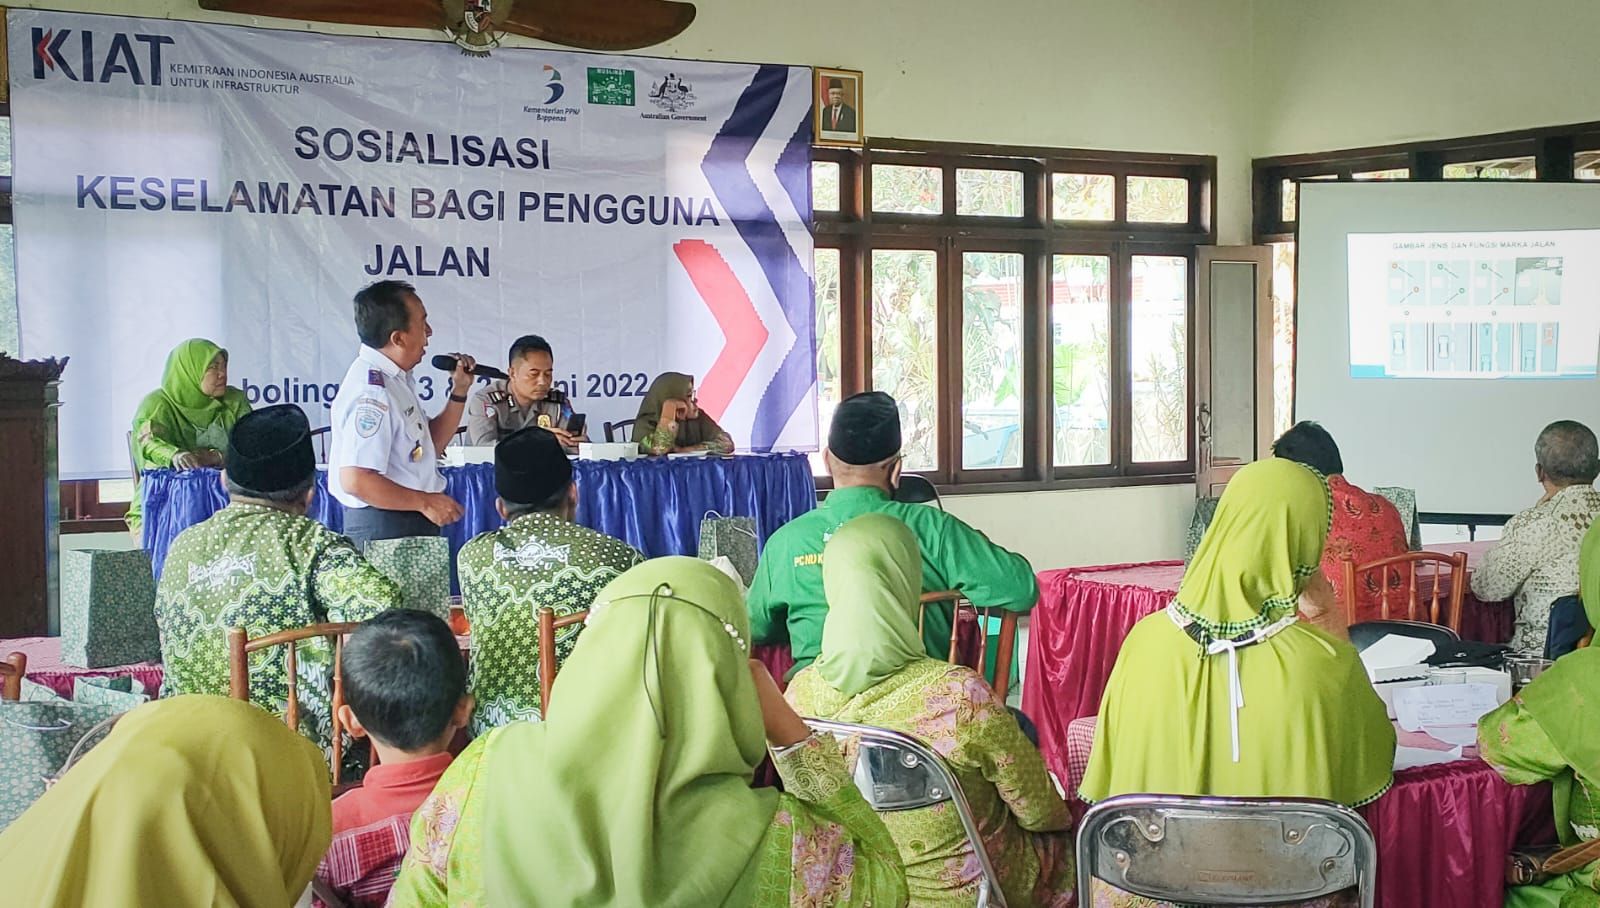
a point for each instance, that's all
(387, 13)
(595, 25)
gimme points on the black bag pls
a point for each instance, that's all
(1569, 623)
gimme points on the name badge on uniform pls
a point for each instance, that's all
(416, 452)
(544, 421)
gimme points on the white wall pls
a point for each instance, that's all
(1374, 72)
(1092, 526)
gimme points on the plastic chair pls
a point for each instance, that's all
(1007, 636)
(915, 489)
(1404, 568)
(1226, 851)
(240, 646)
(549, 623)
(12, 671)
(1367, 633)
(621, 425)
(895, 771)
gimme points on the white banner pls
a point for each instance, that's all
(178, 180)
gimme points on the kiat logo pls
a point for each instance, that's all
(553, 84)
(81, 58)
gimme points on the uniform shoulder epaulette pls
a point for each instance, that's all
(497, 397)
(375, 377)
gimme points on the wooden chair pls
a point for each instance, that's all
(549, 623)
(240, 646)
(1007, 636)
(12, 671)
(1404, 568)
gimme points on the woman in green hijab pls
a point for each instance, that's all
(1226, 691)
(184, 424)
(1551, 730)
(670, 420)
(873, 671)
(635, 789)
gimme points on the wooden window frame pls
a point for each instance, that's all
(856, 231)
(1552, 148)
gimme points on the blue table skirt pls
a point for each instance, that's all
(655, 504)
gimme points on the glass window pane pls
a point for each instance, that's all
(1083, 196)
(1080, 307)
(907, 190)
(991, 360)
(5, 146)
(825, 185)
(904, 346)
(828, 346)
(1522, 168)
(10, 339)
(1160, 351)
(1282, 336)
(1586, 165)
(1160, 200)
(990, 193)
(1396, 173)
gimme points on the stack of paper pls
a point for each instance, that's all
(1395, 658)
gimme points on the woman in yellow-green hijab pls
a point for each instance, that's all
(873, 671)
(184, 423)
(635, 789)
(1551, 730)
(194, 801)
(1227, 692)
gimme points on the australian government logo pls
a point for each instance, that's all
(551, 91)
(675, 97)
(611, 87)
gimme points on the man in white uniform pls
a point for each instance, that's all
(384, 466)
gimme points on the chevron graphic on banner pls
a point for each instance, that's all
(743, 332)
(727, 169)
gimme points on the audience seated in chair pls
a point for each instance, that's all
(539, 558)
(635, 789)
(1551, 730)
(1536, 559)
(189, 802)
(786, 597)
(1365, 526)
(262, 565)
(873, 671)
(405, 689)
(1306, 723)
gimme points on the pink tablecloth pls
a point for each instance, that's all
(1443, 832)
(1085, 613)
(45, 666)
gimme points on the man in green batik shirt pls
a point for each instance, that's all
(786, 597)
(261, 564)
(539, 558)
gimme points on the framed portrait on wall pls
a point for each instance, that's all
(838, 107)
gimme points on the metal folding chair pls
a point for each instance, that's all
(895, 771)
(1226, 851)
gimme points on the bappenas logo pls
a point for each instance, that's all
(77, 55)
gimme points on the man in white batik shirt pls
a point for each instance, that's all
(539, 558)
(1536, 559)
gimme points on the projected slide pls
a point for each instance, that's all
(1522, 304)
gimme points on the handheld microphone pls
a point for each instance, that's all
(448, 364)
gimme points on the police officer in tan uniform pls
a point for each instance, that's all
(528, 398)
